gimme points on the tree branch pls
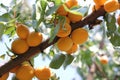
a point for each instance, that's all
(90, 19)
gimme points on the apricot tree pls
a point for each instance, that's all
(69, 27)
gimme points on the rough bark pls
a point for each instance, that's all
(88, 20)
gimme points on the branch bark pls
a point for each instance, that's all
(90, 19)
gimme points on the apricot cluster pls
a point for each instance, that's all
(25, 71)
(69, 40)
(109, 5)
(25, 39)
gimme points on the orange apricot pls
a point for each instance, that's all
(71, 3)
(79, 36)
(43, 73)
(103, 59)
(72, 49)
(111, 5)
(74, 17)
(64, 43)
(99, 2)
(64, 30)
(22, 31)
(25, 72)
(4, 77)
(19, 46)
(61, 11)
(34, 39)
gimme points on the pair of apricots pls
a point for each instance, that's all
(26, 72)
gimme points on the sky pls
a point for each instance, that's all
(68, 74)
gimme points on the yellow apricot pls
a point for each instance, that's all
(72, 49)
(71, 3)
(64, 30)
(74, 17)
(22, 30)
(25, 72)
(43, 73)
(111, 5)
(34, 39)
(61, 11)
(4, 77)
(99, 2)
(79, 36)
(64, 43)
(19, 46)
(104, 59)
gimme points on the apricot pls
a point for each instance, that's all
(65, 30)
(19, 46)
(79, 36)
(64, 43)
(111, 5)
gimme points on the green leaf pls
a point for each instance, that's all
(51, 10)
(5, 17)
(68, 60)
(43, 4)
(2, 56)
(54, 32)
(2, 28)
(9, 30)
(57, 61)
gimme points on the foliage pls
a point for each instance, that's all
(43, 18)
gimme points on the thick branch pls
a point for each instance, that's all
(90, 19)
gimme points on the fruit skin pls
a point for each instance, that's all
(64, 43)
(67, 20)
(108, 5)
(61, 10)
(25, 72)
(64, 30)
(34, 39)
(43, 73)
(118, 20)
(71, 3)
(14, 70)
(22, 30)
(99, 2)
(4, 77)
(73, 49)
(104, 59)
(74, 17)
(19, 46)
(79, 36)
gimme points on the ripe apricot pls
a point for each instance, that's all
(64, 43)
(43, 73)
(71, 3)
(111, 5)
(72, 49)
(95, 7)
(74, 17)
(14, 70)
(67, 20)
(99, 2)
(64, 30)
(103, 59)
(22, 30)
(118, 20)
(25, 72)
(19, 46)
(4, 77)
(61, 10)
(34, 39)
(79, 36)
